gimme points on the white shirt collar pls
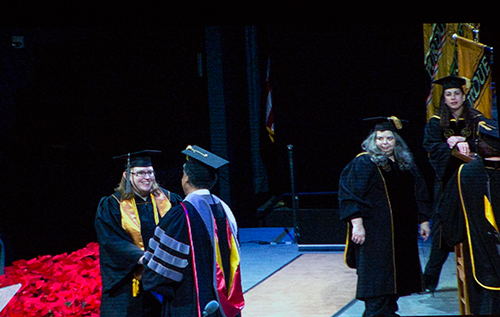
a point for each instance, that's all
(200, 192)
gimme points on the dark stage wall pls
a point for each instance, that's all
(73, 98)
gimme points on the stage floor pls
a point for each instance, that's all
(279, 280)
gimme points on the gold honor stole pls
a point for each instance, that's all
(132, 224)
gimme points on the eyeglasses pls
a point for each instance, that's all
(143, 173)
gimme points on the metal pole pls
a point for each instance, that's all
(295, 197)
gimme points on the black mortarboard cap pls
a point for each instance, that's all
(451, 81)
(201, 155)
(141, 159)
(489, 133)
(386, 123)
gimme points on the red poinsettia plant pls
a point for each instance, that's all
(60, 285)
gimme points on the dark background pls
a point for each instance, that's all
(73, 98)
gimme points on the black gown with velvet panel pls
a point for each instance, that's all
(392, 203)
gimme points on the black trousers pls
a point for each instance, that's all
(439, 254)
(386, 305)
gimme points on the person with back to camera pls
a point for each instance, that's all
(383, 198)
(193, 260)
(125, 221)
(449, 140)
(470, 214)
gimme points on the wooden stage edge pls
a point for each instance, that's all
(312, 285)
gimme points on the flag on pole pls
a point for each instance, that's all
(474, 63)
(441, 55)
(269, 104)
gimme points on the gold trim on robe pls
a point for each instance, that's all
(132, 224)
(469, 236)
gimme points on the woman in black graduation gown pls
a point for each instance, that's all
(452, 131)
(124, 223)
(383, 198)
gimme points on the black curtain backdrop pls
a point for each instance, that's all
(330, 78)
(92, 94)
(73, 98)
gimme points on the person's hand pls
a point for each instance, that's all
(425, 230)
(453, 140)
(358, 231)
(463, 147)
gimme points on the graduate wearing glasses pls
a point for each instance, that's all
(125, 222)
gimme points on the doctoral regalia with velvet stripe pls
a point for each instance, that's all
(194, 258)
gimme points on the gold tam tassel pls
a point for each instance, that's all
(468, 83)
(397, 122)
(135, 287)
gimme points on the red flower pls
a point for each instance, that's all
(56, 286)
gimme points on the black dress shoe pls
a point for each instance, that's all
(430, 282)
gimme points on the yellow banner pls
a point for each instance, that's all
(474, 64)
(441, 55)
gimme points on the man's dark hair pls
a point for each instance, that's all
(200, 175)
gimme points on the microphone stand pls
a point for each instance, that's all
(295, 197)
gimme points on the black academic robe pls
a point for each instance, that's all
(445, 164)
(462, 212)
(171, 255)
(118, 257)
(440, 154)
(392, 204)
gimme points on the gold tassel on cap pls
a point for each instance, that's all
(468, 83)
(136, 281)
(189, 147)
(397, 122)
(135, 287)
